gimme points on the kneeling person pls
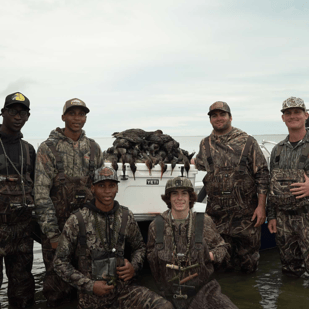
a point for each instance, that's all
(95, 238)
(182, 248)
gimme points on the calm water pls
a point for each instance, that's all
(189, 143)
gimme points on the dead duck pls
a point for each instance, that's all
(163, 168)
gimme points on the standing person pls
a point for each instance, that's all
(96, 237)
(236, 183)
(182, 248)
(17, 159)
(288, 204)
(65, 163)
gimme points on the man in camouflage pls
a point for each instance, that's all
(96, 237)
(182, 248)
(64, 165)
(17, 159)
(288, 203)
(236, 184)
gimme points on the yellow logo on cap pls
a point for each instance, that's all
(19, 97)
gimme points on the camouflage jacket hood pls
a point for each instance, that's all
(91, 206)
(10, 138)
(198, 253)
(58, 134)
(232, 135)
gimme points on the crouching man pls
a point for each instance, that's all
(94, 239)
(182, 248)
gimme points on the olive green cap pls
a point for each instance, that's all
(293, 102)
(178, 183)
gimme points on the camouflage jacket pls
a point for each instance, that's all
(69, 250)
(212, 241)
(75, 163)
(12, 193)
(235, 141)
(289, 159)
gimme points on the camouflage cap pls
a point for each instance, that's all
(17, 97)
(73, 103)
(105, 173)
(293, 102)
(219, 105)
(178, 183)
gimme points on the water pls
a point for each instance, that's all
(265, 289)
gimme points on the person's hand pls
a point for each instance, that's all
(211, 256)
(54, 245)
(126, 272)
(272, 226)
(260, 216)
(100, 288)
(302, 189)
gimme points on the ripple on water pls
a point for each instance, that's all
(265, 289)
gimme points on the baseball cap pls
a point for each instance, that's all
(219, 105)
(73, 103)
(105, 173)
(17, 97)
(293, 102)
(178, 183)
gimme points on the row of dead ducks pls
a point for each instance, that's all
(138, 146)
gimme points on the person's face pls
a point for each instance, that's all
(74, 119)
(180, 200)
(11, 123)
(220, 121)
(105, 192)
(294, 118)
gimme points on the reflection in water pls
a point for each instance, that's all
(265, 289)
(269, 282)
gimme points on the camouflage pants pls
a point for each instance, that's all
(245, 241)
(16, 249)
(55, 290)
(292, 238)
(131, 297)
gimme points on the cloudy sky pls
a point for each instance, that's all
(155, 64)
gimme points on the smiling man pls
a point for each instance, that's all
(183, 248)
(17, 159)
(288, 203)
(65, 164)
(236, 185)
(96, 237)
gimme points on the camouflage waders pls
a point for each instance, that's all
(245, 241)
(292, 214)
(232, 199)
(81, 241)
(16, 244)
(280, 195)
(191, 286)
(67, 194)
(292, 239)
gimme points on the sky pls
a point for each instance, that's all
(155, 64)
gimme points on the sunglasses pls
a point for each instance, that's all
(14, 112)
